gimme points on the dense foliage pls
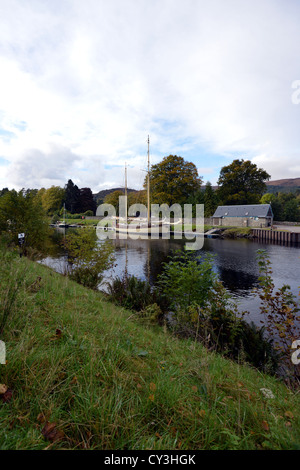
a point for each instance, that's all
(241, 182)
(193, 302)
(22, 212)
(88, 258)
(285, 206)
(280, 310)
(173, 181)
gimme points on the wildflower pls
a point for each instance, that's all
(267, 393)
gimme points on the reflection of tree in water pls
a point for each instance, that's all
(234, 262)
(152, 252)
(159, 252)
(237, 280)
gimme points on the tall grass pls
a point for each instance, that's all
(84, 367)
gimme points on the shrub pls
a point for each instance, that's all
(135, 294)
(88, 259)
(187, 279)
(280, 310)
(203, 310)
(21, 212)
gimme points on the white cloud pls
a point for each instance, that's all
(90, 80)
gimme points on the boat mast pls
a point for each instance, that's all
(148, 185)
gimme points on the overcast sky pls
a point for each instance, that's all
(83, 83)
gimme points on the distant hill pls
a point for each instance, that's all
(286, 185)
(100, 196)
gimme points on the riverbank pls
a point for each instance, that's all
(83, 373)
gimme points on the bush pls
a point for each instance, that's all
(21, 212)
(135, 294)
(280, 310)
(88, 259)
(187, 279)
(203, 310)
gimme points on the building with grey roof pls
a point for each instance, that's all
(253, 215)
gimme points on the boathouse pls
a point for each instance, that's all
(254, 215)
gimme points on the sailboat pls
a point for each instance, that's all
(140, 225)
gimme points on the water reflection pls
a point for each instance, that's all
(234, 261)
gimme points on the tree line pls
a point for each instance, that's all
(175, 180)
(55, 198)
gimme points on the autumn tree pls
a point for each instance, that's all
(173, 180)
(241, 182)
(113, 199)
(137, 197)
(52, 199)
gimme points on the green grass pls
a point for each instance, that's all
(108, 381)
(236, 232)
(191, 227)
(82, 221)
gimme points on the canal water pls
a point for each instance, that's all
(234, 261)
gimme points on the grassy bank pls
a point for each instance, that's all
(83, 373)
(237, 232)
(82, 221)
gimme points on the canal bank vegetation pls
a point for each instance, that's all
(82, 373)
(87, 259)
(190, 300)
(237, 232)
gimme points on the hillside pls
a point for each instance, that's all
(287, 183)
(84, 374)
(100, 196)
(283, 186)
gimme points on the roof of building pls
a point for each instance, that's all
(254, 210)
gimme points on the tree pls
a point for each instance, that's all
(21, 212)
(88, 259)
(72, 197)
(210, 200)
(277, 207)
(87, 202)
(285, 206)
(52, 199)
(3, 191)
(241, 182)
(137, 197)
(173, 180)
(292, 211)
(113, 199)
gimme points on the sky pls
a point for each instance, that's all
(83, 84)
